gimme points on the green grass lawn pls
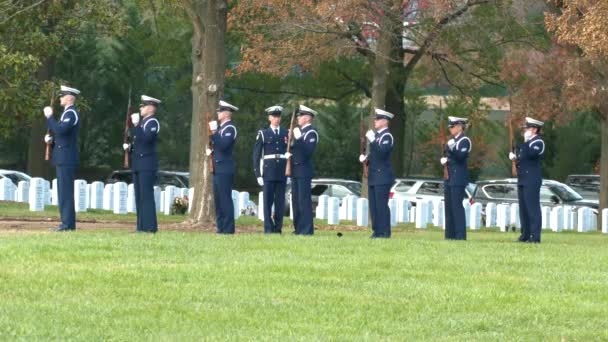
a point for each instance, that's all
(111, 285)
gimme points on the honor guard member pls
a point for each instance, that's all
(529, 179)
(269, 164)
(223, 139)
(65, 154)
(380, 175)
(144, 162)
(306, 140)
(457, 153)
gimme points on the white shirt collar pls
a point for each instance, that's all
(305, 126)
(274, 128)
(458, 136)
(382, 130)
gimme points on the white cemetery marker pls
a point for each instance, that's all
(605, 221)
(403, 210)
(157, 199)
(190, 199)
(36, 194)
(332, 210)
(48, 196)
(80, 195)
(467, 212)
(342, 210)
(412, 214)
(131, 198)
(362, 212)
(235, 204)
(323, 207)
(586, 220)
(23, 191)
(243, 200)
(170, 194)
(261, 206)
(351, 207)
(54, 194)
(567, 217)
(96, 197)
(437, 216)
(557, 219)
(108, 197)
(546, 217)
(291, 213)
(88, 196)
(392, 207)
(503, 217)
(490, 215)
(184, 192)
(162, 201)
(422, 214)
(7, 190)
(514, 219)
(119, 201)
(476, 216)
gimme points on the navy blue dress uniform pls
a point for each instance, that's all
(529, 180)
(301, 173)
(223, 176)
(65, 157)
(380, 177)
(269, 164)
(457, 154)
(144, 164)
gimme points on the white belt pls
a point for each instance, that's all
(274, 156)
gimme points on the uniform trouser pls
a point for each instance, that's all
(65, 194)
(530, 215)
(455, 220)
(145, 206)
(224, 208)
(380, 212)
(302, 206)
(274, 193)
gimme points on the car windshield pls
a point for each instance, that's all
(566, 193)
(14, 177)
(354, 187)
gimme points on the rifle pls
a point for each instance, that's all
(511, 147)
(210, 143)
(363, 144)
(443, 138)
(289, 139)
(125, 136)
(48, 147)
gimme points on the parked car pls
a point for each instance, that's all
(587, 186)
(165, 178)
(552, 193)
(15, 176)
(415, 189)
(332, 187)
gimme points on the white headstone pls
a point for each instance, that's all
(190, 199)
(476, 216)
(332, 211)
(7, 190)
(322, 207)
(36, 194)
(605, 221)
(438, 214)
(23, 191)
(514, 219)
(96, 196)
(422, 211)
(351, 207)
(157, 198)
(392, 207)
(586, 220)
(48, 195)
(243, 201)
(491, 215)
(170, 194)
(87, 201)
(546, 217)
(291, 213)
(108, 197)
(184, 192)
(403, 210)
(503, 217)
(413, 214)
(362, 212)
(54, 193)
(235, 204)
(162, 201)
(467, 212)
(131, 204)
(557, 219)
(342, 210)
(261, 205)
(568, 223)
(119, 201)
(80, 195)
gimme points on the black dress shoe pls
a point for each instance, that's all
(63, 229)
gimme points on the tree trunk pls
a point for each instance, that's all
(209, 65)
(396, 105)
(603, 167)
(36, 165)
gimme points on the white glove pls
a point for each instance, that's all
(288, 180)
(48, 139)
(443, 160)
(370, 135)
(512, 156)
(208, 152)
(213, 126)
(451, 144)
(261, 181)
(288, 155)
(135, 119)
(297, 133)
(362, 158)
(125, 147)
(527, 135)
(48, 111)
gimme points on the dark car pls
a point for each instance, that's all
(332, 187)
(587, 186)
(552, 193)
(165, 178)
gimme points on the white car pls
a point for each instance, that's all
(15, 176)
(414, 189)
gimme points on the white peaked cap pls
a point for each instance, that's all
(65, 89)
(305, 110)
(146, 98)
(533, 122)
(274, 109)
(228, 106)
(381, 112)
